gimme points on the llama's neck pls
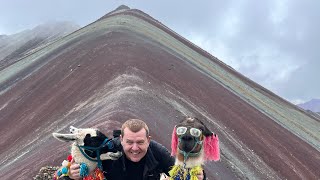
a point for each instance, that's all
(191, 161)
(79, 158)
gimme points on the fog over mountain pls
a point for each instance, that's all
(15, 46)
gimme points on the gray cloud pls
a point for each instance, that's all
(274, 43)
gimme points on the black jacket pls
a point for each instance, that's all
(156, 161)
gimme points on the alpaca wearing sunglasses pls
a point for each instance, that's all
(192, 144)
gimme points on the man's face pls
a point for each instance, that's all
(135, 144)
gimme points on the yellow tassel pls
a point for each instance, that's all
(194, 172)
(174, 171)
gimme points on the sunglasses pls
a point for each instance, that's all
(193, 131)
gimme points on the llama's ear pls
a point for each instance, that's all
(207, 132)
(64, 137)
(100, 134)
(73, 129)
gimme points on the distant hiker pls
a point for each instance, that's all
(144, 159)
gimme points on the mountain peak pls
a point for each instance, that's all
(312, 105)
(118, 9)
(122, 7)
(315, 100)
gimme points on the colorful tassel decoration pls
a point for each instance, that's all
(174, 142)
(84, 170)
(69, 158)
(211, 148)
(97, 174)
(178, 173)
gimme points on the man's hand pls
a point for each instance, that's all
(74, 171)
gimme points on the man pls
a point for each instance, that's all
(144, 159)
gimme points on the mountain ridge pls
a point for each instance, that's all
(16, 46)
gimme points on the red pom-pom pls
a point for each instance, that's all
(69, 158)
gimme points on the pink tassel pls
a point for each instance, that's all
(211, 148)
(174, 142)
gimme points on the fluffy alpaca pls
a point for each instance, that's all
(192, 148)
(89, 138)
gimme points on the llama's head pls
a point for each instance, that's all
(89, 137)
(192, 139)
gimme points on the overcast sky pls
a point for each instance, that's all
(273, 42)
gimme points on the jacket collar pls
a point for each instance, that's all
(151, 162)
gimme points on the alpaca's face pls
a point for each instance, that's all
(90, 138)
(190, 132)
(93, 141)
(193, 143)
(83, 136)
(96, 141)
